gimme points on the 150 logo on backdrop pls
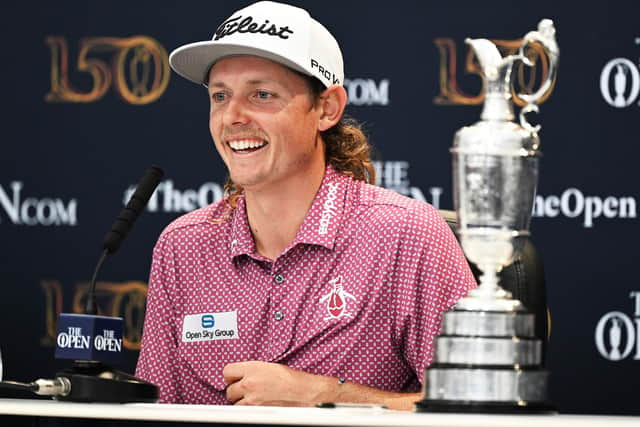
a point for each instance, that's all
(620, 81)
(527, 79)
(31, 211)
(136, 67)
(617, 334)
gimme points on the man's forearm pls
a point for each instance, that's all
(263, 383)
(331, 390)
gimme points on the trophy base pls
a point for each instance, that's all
(454, 406)
(486, 361)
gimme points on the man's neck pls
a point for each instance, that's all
(276, 213)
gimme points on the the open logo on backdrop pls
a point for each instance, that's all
(620, 81)
(617, 334)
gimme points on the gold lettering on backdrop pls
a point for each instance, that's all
(123, 299)
(137, 67)
(527, 79)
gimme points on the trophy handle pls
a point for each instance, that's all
(546, 36)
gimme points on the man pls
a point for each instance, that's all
(305, 284)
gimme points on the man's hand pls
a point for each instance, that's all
(263, 383)
(273, 384)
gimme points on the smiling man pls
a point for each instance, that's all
(305, 284)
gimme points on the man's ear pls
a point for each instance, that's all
(332, 103)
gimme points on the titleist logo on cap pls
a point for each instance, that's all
(239, 24)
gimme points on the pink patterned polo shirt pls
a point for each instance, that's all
(357, 295)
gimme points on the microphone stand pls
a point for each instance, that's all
(94, 381)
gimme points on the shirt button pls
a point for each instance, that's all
(279, 278)
(278, 315)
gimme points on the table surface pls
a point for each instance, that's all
(297, 416)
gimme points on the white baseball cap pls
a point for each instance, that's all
(282, 33)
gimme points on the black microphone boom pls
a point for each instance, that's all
(129, 214)
(122, 226)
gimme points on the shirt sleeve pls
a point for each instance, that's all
(436, 275)
(158, 362)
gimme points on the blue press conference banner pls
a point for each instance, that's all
(89, 103)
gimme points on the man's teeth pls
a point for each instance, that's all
(245, 144)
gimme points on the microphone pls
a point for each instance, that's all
(94, 341)
(129, 214)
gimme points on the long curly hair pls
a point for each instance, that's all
(347, 148)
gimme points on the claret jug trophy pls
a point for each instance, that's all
(487, 358)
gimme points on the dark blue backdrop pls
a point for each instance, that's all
(88, 104)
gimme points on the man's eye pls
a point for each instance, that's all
(263, 94)
(219, 96)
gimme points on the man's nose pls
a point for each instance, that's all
(235, 113)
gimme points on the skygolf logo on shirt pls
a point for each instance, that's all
(328, 209)
(210, 326)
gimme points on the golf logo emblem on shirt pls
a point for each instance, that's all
(336, 299)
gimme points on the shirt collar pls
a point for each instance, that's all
(323, 220)
(320, 226)
(241, 239)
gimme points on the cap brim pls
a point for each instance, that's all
(193, 61)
